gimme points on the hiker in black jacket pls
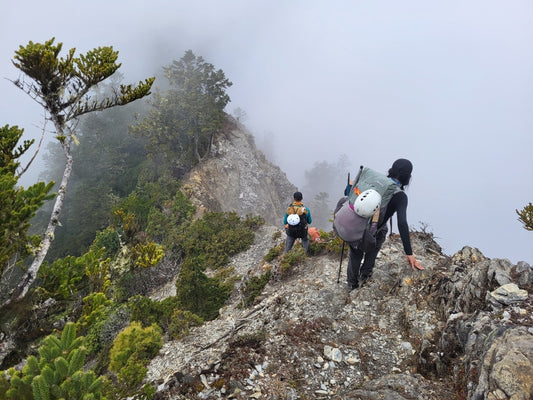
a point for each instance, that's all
(400, 172)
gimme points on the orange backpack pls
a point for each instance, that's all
(314, 234)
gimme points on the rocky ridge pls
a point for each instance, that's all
(238, 177)
(462, 328)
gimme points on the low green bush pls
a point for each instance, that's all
(149, 312)
(180, 323)
(132, 350)
(217, 237)
(254, 287)
(274, 252)
(294, 257)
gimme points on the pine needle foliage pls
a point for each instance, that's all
(254, 287)
(108, 240)
(198, 293)
(217, 236)
(525, 216)
(149, 312)
(56, 374)
(165, 313)
(209, 243)
(68, 277)
(96, 310)
(17, 204)
(132, 350)
(294, 257)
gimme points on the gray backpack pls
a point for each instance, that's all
(353, 228)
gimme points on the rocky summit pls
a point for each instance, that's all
(460, 329)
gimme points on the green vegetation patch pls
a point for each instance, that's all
(217, 237)
(254, 287)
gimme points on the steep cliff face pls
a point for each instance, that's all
(239, 178)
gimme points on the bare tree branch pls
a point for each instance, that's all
(36, 151)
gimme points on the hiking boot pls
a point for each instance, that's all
(364, 278)
(351, 286)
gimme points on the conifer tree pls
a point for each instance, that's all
(17, 205)
(57, 373)
(62, 86)
(184, 120)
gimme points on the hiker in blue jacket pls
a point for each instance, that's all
(296, 219)
(400, 172)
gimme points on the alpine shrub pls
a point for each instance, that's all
(254, 287)
(274, 252)
(198, 293)
(294, 257)
(96, 310)
(108, 240)
(333, 242)
(63, 278)
(217, 236)
(149, 312)
(168, 222)
(147, 254)
(180, 323)
(253, 221)
(97, 270)
(132, 350)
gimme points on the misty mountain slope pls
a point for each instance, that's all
(238, 177)
(446, 332)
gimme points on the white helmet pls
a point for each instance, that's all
(367, 203)
(293, 219)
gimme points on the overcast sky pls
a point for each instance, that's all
(448, 85)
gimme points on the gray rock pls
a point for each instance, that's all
(506, 295)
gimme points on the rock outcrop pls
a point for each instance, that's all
(238, 177)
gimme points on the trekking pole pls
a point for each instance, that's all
(348, 186)
(340, 265)
(346, 193)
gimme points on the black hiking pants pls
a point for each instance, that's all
(358, 272)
